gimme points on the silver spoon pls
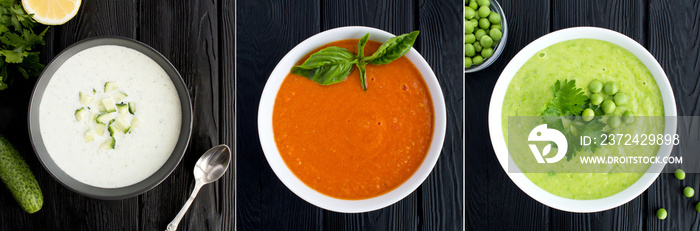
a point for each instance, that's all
(209, 168)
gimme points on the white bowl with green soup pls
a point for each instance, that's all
(618, 80)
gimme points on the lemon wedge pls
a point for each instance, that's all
(52, 12)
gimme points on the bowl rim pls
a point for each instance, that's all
(498, 141)
(290, 180)
(98, 192)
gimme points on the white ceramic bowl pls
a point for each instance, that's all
(499, 143)
(269, 147)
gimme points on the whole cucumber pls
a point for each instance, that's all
(17, 176)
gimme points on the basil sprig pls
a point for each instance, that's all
(332, 65)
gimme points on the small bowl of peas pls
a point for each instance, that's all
(485, 33)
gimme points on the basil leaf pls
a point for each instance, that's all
(361, 46)
(392, 49)
(328, 66)
(363, 75)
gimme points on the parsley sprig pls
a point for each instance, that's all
(17, 43)
(561, 113)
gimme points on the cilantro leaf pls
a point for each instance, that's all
(568, 99)
(562, 114)
(17, 43)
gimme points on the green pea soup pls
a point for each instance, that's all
(585, 60)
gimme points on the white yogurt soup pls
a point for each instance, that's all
(139, 150)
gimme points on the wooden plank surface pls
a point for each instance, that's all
(678, 50)
(670, 31)
(262, 43)
(493, 202)
(441, 195)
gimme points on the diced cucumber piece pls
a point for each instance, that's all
(135, 122)
(81, 114)
(119, 96)
(111, 86)
(100, 129)
(132, 107)
(85, 98)
(122, 125)
(89, 136)
(123, 109)
(104, 118)
(101, 108)
(108, 144)
(112, 129)
(109, 104)
(93, 116)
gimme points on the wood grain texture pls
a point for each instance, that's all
(627, 16)
(493, 202)
(677, 50)
(441, 44)
(186, 32)
(64, 209)
(227, 67)
(266, 30)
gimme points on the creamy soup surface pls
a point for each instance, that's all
(137, 154)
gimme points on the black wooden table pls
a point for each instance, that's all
(267, 30)
(198, 38)
(669, 29)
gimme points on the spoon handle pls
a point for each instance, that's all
(176, 221)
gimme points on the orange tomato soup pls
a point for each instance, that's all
(353, 144)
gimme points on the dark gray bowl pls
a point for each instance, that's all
(109, 193)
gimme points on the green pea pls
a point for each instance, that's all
(486, 41)
(479, 33)
(475, 23)
(608, 106)
(468, 28)
(496, 26)
(477, 47)
(688, 192)
(483, 11)
(470, 38)
(588, 114)
(469, 50)
(469, 13)
(494, 17)
(614, 121)
(610, 88)
(478, 60)
(484, 23)
(495, 34)
(621, 99)
(596, 99)
(467, 62)
(483, 2)
(473, 5)
(680, 174)
(661, 213)
(697, 207)
(595, 86)
(628, 117)
(486, 52)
